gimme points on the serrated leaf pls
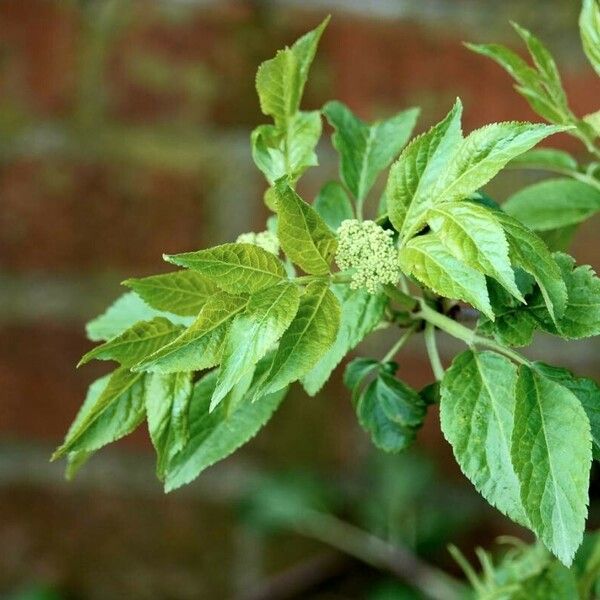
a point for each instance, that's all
(544, 158)
(391, 412)
(253, 333)
(366, 149)
(587, 392)
(235, 268)
(124, 312)
(473, 235)
(581, 317)
(113, 408)
(290, 151)
(182, 292)
(361, 313)
(356, 370)
(589, 28)
(514, 324)
(303, 235)
(311, 333)
(200, 345)
(551, 454)
(420, 164)
(546, 68)
(483, 153)
(553, 203)
(530, 253)
(217, 434)
(428, 260)
(136, 343)
(167, 400)
(280, 81)
(477, 412)
(333, 204)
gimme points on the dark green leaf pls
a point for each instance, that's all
(333, 204)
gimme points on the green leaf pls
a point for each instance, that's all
(356, 371)
(290, 151)
(181, 293)
(473, 235)
(126, 311)
(555, 582)
(253, 333)
(477, 413)
(235, 268)
(515, 324)
(415, 172)
(136, 343)
(546, 68)
(587, 392)
(361, 313)
(530, 253)
(113, 408)
(589, 28)
(366, 149)
(593, 120)
(553, 203)
(217, 434)
(535, 86)
(551, 454)
(544, 158)
(167, 406)
(483, 153)
(333, 204)
(280, 81)
(581, 317)
(304, 236)
(200, 345)
(427, 259)
(390, 411)
(311, 333)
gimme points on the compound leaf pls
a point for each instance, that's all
(253, 333)
(167, 400)
(553, 203)
(136, 343)
(589, 27)
(310, 335)
(477, 413)
(235, 268)
(217, 434)
(114, 406)
(200, 345)
(124, 312)
(182, 292)
(473, 235)
(551, 454)
(361, 313)
(304, 236)
(333, 204)
(428, 260)
(366, 149)
(420, 164)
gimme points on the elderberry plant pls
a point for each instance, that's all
(207, 353)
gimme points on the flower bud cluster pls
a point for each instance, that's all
(266, 240)
(369, 250)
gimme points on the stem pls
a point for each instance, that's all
(583, 177)
(432, 352)
(394, 349)
(431, 582)
(468, 336)
(501, 349)
(445, 323)
(403, 299)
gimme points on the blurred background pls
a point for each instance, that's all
(124, 133)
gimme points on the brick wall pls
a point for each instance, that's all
(125, 135)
